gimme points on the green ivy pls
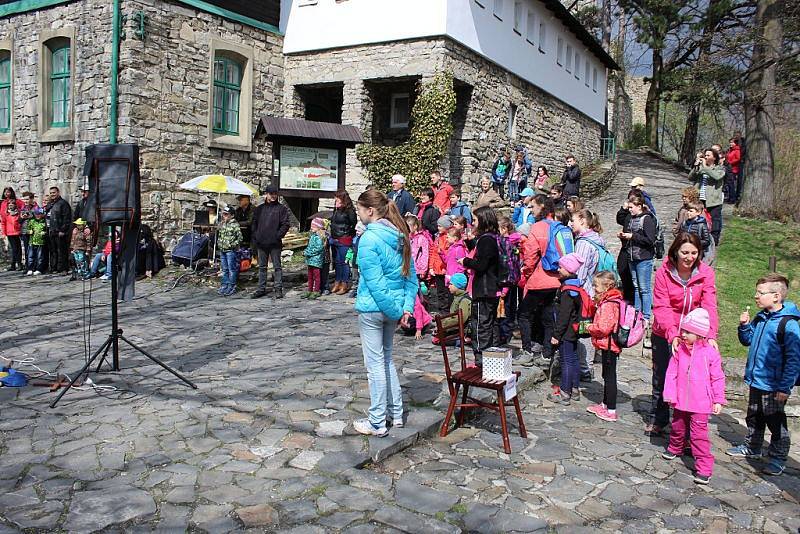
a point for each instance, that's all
(431, 129)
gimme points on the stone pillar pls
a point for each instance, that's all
(356, 111)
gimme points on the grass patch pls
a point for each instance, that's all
(459, 508)
(743, 258)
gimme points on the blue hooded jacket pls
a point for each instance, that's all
(767, 369)
(381, 285)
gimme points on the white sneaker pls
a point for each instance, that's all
(29, 273)
(363, 426)
(37, 273)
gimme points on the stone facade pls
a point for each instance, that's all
(548, 128)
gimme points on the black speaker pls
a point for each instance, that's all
(114, 184)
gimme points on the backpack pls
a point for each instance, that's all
(630, 326)
(586, 313)
(509, 270)
(781, 335)
(560, 242)
(605, 260)
(659, 247)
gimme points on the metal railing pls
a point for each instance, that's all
(608, 148)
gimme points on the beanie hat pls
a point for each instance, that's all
(444, 221)
(571, 262)
(697, 322)
(318, 223)
(527, 192)
(524, 229)
(459, 280)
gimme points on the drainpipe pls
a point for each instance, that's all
(115, 23)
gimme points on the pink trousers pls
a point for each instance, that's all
(696, 424)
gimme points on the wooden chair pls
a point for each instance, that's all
(471, 377)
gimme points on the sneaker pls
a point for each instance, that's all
(258, 294)
(37, 273)
(576, 394)
(230, 291)
(29, 273)
(774, 468)
(743, 451)
(363, 426)
(701, 479)
(595, 408)
(667, 455)
(605, 415)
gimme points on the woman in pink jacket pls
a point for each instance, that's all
(695, 388)
(683, 283)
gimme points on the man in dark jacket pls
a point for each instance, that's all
(400, 196)
(79, 212)
(244, 216)
(59, 226)
(571, 179)
(270, 224)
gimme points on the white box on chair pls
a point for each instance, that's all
(496, 363)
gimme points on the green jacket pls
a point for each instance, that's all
(315, 253)
(714, 178)
(37, 229)
(461, 301)
(229, 236)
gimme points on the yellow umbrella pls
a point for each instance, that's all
(218, 183)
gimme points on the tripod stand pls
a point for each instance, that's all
(112, 342)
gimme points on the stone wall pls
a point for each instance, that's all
(546, 126)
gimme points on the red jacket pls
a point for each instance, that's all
(439, 248)
(441, 197)
(10, 224)
(734, 157)
(532, 251)
(606, 319)
(672, 299)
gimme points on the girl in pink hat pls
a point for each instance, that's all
(695, 388)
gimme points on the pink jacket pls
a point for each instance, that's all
(672, 299)
(695, 380)
(421, 315)
(421, 252)
(456, 251)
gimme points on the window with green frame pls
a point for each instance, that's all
(5, 95)
(227, 89)
(60, 87)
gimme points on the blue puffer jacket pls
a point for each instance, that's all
(765, 368)
(381, 285)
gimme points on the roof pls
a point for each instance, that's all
(569, 20)
(303, 129)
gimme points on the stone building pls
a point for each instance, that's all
(195, 77)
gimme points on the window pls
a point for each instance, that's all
(542, 37)
(560, 51)
(5, 93)
(518, 17)
(401, 111)
(55, 85)
(577, 65)
(498, 9)
(512, 120)
(230, 96)
(227, 90)
(568, 65)
(531, 28)
(594, 80)
(586, 73)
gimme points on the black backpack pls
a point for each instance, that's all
(781, 335)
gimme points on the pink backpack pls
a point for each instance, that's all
(630, 329)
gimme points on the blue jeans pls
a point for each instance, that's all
(98, 259)
(36, 258)
(570, 367)
(229, 260)
(642, 274)
(377, 336)
(339, 263)
(513, 191)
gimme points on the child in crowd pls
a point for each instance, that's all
(421, 318)
(315, 257)
(772, 370)
(456, 250)
(104, 259)
(689, 194)
(438, 268)
(574, 204)
(229, 240)
(557, 195)
(352, 257)
(695, 387)
(459, 208)
(461, 301)
(26, 215)
(11, 227)
(37, 234)
(460, 223)
(420, 247)
(696, 223)
(426, 212)
(510, 294)
(564, 335)
(326, 260)
(81, 246)
(606, 319)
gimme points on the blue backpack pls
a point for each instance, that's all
(559, 243)
(605, 260)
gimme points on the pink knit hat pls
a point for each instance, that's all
(697, 322)
(571, 263)
(318, 223)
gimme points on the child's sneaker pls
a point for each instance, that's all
(701, 479)
(667, 455)
(29, 273)
(558, 398)
(595, 408)
(774, 468)
(743, 451)
(363, 426)
(37, 273)
(230, 291)
(605, 415)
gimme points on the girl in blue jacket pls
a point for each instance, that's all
(387, 288)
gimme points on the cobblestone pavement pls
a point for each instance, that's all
(265, 443)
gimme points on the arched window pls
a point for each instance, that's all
(227, 92)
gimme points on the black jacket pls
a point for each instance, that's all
(571, 180)
(485, 265)
(79, 212)
(245, 219)
(60, 216)
(642, 245)
(569, 309)
(404, 200)
(429, 219)
(270, 224)
(343, 223)
(699, 227)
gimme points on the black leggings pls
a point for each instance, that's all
(15, 248)
(661, 354)
(610, 379)
(536, 319)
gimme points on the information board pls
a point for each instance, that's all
(309, 169)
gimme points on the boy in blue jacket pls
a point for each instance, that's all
(773, 366)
